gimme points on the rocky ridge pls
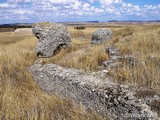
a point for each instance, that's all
(95, 91)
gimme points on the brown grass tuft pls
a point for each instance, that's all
(155, 105)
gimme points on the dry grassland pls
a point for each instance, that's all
(140, 41)
(21, 98)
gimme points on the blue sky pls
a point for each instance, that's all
(20, 11)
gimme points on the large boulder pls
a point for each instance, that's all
(101, 35)
(51, 37)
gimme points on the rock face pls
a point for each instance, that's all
(95, 91)
(101, 35)
(51, 37)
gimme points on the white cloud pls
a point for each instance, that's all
(76, 5)
(136, 8)
(19, 1)
(22, 11)
(91, 1)
(55, 9)
(6, 6)
(86, 5)
(62, 1)
(106, 3)
(130, 5)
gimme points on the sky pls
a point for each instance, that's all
(30, 11)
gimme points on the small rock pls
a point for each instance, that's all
(101, 35)
(110, 64)
(113, 51)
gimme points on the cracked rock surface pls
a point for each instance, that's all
(101, 35)
(51, 38)
(94, 91)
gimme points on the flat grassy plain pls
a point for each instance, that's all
(21, 98)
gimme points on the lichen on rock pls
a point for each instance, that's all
(51, 38)
(101, 35)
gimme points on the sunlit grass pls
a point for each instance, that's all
(20, 96)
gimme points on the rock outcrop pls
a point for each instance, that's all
(95, 91)
(101, 35)
(51, 37)
(116, 59)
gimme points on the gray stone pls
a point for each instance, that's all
(110, 64)
(94, 91)
(101, 35)
(113, 51)
(51, 38)
(114, 56)
(118, 61)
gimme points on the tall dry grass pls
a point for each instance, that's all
(20, 97)
(140, 41)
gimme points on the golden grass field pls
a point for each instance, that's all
(21, 98)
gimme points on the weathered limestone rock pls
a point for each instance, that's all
(114, 55)
(116, 60)
(51, 37)
(95, 91)
(101, 35)
(111, 64)
(113, 51)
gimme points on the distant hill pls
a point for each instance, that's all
(19, 25)
(134, 21)
(14, 26)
